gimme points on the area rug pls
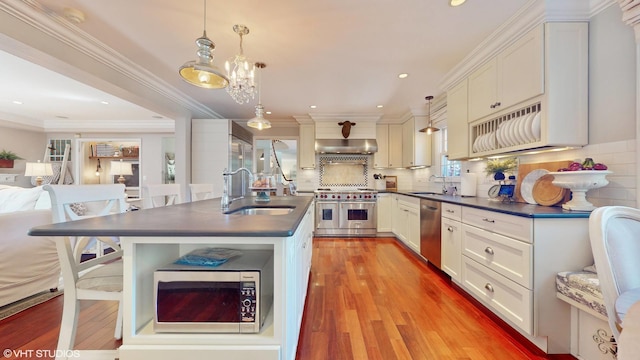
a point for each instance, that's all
(31, 301)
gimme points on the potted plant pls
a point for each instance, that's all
(7, 158)
(497, 167)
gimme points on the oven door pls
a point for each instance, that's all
(358, 215)
(327, 215)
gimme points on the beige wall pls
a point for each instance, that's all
(29, 145)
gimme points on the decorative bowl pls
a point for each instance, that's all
(579, 182)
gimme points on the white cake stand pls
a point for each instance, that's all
(579, 182)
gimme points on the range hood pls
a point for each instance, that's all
(346, 146)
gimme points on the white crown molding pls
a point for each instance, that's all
(18, 122)
(534, 13)
(111, 126)
(34, 15)
(596, 6)
(325, 117)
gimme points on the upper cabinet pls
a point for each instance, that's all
(389, 154)
(307, 149)
(395, 145)
(531, 95)
(416, 146)
(458, 128)
(515, 75)
(381, 157)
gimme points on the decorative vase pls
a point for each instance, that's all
(579, 182)
(5, 164)
(498, 176)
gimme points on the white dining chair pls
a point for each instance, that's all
(99, 278)
(613, 233)
(201, 191)
(159, 195)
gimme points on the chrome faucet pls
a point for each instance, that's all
(444, 182)
(225, 201)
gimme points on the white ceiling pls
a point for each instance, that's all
(342, 56)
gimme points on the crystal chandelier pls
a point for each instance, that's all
(241, 71)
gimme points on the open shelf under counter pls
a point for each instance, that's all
(114, 157)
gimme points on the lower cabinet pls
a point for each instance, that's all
(407, 221)
(384, 211)
(451, 235)
(509, 264)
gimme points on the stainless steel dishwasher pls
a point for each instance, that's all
(430, 236)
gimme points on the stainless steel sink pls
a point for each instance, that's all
(263, 210)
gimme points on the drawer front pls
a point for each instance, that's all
(508, 257)
(504, 297)
(451, 211)
(510, 225)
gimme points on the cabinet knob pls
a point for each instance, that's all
(489, 250)
(488, 220)
(489, 287)
(450, 229)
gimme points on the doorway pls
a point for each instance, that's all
(279, 157)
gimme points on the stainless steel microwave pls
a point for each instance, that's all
(234, 297)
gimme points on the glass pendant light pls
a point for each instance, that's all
(259, 122)
(202, 72)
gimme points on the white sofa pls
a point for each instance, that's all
(28, 264)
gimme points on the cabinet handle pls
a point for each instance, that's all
(489, 221)
(450, 229)
(495, 105)
(450, 211)
(488, 287)
(489, 250)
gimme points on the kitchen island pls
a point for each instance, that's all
(155, 237)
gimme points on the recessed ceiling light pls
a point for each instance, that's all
(313, 106)
(379, 106)
(17, 102)
(403, 75)
(456, 2)
(104, 102)
(268, 112)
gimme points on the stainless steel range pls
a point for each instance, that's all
(345, 212)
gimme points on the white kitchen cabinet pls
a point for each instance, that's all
(416, 146)
(541, 83)
(509, 263)
(383, 215)
(395, 212)
(515, 75)
(381, 157)
(451, 235)
(307, 147)
(457, 124)
(408, 221)
(395, 145)
(278, 338)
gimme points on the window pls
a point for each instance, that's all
(448, 167)
(56, 149)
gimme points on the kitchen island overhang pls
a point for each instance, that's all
(154, 237)
(198, 218)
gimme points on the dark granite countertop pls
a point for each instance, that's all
(199, 218)
(513, 208)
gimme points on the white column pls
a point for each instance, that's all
(631, 16)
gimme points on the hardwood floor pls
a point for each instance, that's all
(368, 299)
(372, 299)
